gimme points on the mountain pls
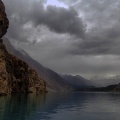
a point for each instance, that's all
(108, 88)
(15, 74)
(18, 75)
(117, 88)
(77, 82)
(53, 80)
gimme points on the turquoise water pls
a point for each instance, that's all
(61, 106)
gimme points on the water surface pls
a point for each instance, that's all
(61, 106)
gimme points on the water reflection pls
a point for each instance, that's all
(60, 106)
(20, 106)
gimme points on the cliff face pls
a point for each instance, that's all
(54, 81)
(15, 74)
(4, 23)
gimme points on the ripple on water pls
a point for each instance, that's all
(60, 106)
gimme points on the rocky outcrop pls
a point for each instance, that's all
(15, 74)
(4, 23)
(53, 80)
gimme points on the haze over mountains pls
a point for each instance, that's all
(56, 82)
(77, 82)
(53, 80)
(102, 82)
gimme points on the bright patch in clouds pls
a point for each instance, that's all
(56, 3)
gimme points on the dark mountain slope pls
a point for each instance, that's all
(77, 82)
(52, 79)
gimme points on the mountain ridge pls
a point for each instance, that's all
(54, 81)
(77, 82)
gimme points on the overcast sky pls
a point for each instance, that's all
(69, 36)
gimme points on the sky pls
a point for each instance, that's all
(78, 37)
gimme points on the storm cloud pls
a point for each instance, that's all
(60, 20)
(57, 19)
(83, 38)
(103, 28)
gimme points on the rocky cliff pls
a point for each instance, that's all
(53, 80)
(15, 74)
(4, 23)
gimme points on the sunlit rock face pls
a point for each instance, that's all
(4, 23)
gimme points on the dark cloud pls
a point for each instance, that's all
(95, 50)
(104, 42)
(103, 29)
(60, 20)
(57, 19)
(69, 2)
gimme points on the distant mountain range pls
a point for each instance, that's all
(77, 82)
(103, 82)
(54, 81)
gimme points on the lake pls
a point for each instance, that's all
(61, 106)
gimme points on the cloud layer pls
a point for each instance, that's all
(81, 39)
(57, 19)
(103, 28)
